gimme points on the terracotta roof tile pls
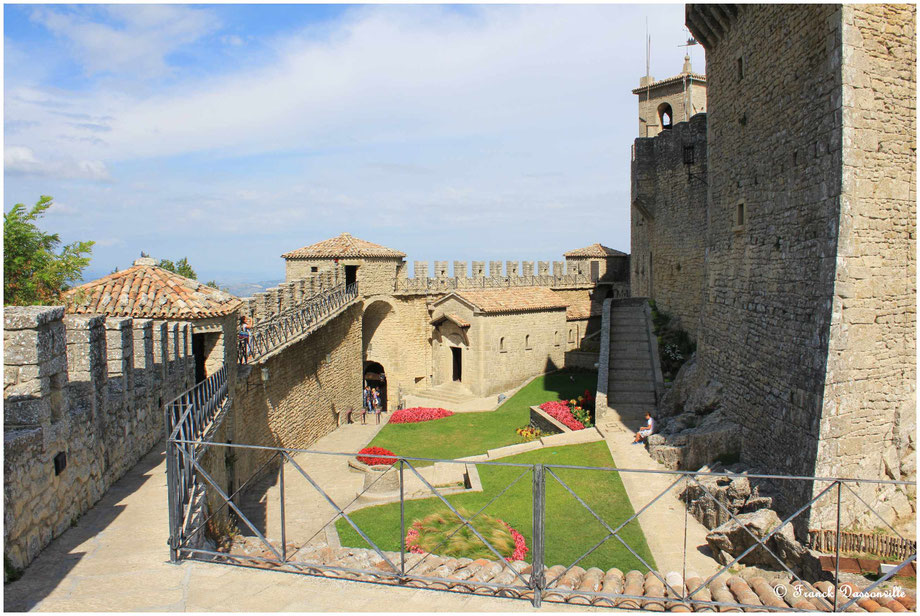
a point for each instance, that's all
(663, 82)
(513, 299)
(343, 246)
(453, 318)
(150, 292)
(595, 250)
(583, 309)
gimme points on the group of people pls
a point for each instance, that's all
(372, 402)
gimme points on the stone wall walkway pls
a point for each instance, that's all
(663, 523)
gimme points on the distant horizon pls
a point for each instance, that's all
(230, 134)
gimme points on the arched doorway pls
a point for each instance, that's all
(376, 378)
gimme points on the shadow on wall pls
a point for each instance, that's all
(306, 392)
(50, 569)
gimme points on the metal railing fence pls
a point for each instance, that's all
(268, 335)
(191, 417)
(538, 581)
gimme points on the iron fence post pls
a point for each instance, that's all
(402, 525)
(837, 551)
(537, 579)
(171, 504)
(283, 526)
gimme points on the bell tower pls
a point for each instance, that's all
(669, 101)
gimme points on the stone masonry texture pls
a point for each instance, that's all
(79, 389)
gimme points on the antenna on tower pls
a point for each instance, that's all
(648, 50)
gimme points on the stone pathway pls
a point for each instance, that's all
(663, 522)
(116, 559)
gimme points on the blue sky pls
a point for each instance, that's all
(233, 133)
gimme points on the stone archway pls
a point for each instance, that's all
(375, 377)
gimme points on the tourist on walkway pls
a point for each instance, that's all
(645, 430)
(375, 403)
(244, 336)
(366, 399)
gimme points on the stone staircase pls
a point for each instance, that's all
(447, 393)
(750, 591)
(631, 384)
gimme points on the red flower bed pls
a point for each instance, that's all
(417, 414)
(369, 456)
(560, 411)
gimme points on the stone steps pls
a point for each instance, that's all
(631, 380)
(634, 589)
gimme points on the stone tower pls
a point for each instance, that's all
(669, 101)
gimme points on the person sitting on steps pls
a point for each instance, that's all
(645, 430)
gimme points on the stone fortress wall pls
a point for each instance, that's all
(668, 229)
(83, 399)
(807, 307)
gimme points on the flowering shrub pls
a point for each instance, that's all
(431, 532)
(417, 414)
(529, 433)
(369, 456)
(561, 412)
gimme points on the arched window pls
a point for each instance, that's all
(527, 341)
(665, 116)
(501, 344)
(556, 338)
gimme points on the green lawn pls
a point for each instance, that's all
(570, 529)
(470, 434)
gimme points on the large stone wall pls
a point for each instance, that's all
(807, 313)
(868, 420)
(397, 335)
(668, 221)
(295, 396)
(84, 388)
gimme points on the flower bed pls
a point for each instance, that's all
(529, 433)
(370, 456)
(418, 414)
(561, 412)
(431, 532)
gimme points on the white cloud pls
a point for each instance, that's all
(21, 160)
(126, 39)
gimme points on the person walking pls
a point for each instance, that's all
(375, 402)
(244, 336)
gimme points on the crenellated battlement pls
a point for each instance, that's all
(560, 274)
(81, 402)
(288, 296)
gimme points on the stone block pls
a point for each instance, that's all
(27, 411)
(30, 317)
(588, 435)
(510, 450)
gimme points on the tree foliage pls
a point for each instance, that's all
(33, 271)
(180, 267)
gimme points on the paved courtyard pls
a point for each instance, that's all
(116, 558)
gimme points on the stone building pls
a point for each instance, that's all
(491, 340)
(804, 246)
(662, 104)
(600, 263)
(146, 291)
(407, 342)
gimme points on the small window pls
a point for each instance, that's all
(665, 116)
(739, 215)
(556, 338)
(740, 67)
(527, 341)
(314, 269)
(501, 345)
(60, 463)
(571, 336)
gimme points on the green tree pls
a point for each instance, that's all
(33, 271)
(180, 267)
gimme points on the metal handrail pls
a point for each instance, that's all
(536, 587)
(283, 327)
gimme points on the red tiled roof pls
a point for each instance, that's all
(595, 250)
(342, 246)
(583, 309)
(453, 319)
(512, 299)
(657, 84)
(150, 292)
